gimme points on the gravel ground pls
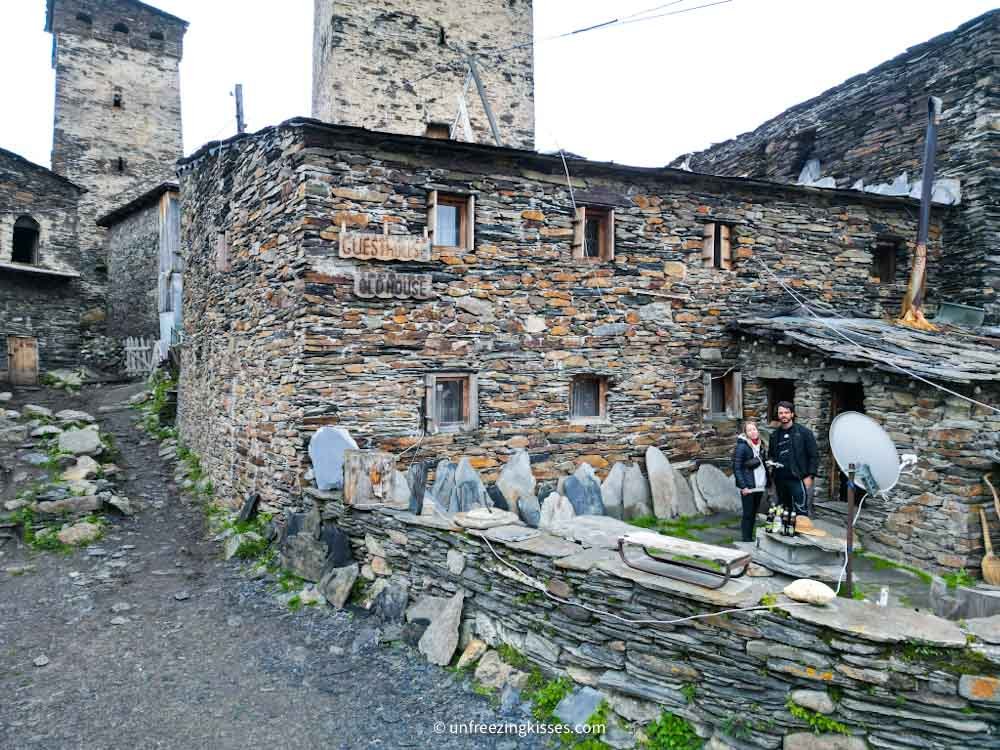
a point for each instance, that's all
(153, 641)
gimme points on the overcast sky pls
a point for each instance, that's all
(640, 93)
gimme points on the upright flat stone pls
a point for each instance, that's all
(416, 478)
(611, 490)
(444, 482)
(336, 584)
(516, 480)
(556, 509)
(636, 500)
(529, 510)
(584, 491)
(718, 490)
(469, 491)
(439, 641)
(668, 501)
(326, 451)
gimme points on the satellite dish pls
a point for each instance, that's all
(859, 439)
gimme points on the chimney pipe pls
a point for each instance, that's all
(916, 290)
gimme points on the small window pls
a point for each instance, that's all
(451, 220)
(723, 397)
(884, 260)
(442, 40)
(451, 402)
(594, 234)
(116, 100)
(717, 251)
(120, 28)
(779, 389)
(84, 19)
(438, 130)
(25, 248)
(120, 165)
(588, 396)
(156, 36)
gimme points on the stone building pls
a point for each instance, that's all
(400, 66)
(40, 296)
(582, 325)
(871, 129)
(144, 260)
(117, 111)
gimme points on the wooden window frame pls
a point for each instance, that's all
(606, 252)
(733, 384)
(466, 218)
(717, 246)
(602, 400)
(885, 254)
(470, 402)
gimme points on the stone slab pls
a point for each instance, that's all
(585, 560)
(985, 628)
(594, 531)
(825, 573)
(506, 534)
(880, 624)
(546, 545)
(429, 522)
(736, 593)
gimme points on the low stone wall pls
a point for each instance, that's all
(898, 678)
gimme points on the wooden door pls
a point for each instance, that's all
(22, 356)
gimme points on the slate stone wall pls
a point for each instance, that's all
(133, 265)
(900, 678)
(872, 126)
(279, 344)
(47, 308)
(423, 43)
(931, 518)
(92, 62)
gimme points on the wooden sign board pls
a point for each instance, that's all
(368, 478)
(384, 246)
(388, 285)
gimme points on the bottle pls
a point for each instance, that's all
(769, 524)
(792, 516)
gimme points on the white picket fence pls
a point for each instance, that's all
(141, 356)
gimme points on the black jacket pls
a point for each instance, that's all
(803, 458)
(742, 456)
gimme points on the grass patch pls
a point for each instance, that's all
(671, 732)
(683, 527)
(960, 577)
(545, 699)
(295, 603)
(818, 723)
(513, 657)
(880, 563)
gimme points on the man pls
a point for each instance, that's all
(793, 446)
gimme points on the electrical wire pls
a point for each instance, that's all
(866, 352)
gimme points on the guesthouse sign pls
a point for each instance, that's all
(389, 285)
(403, 247)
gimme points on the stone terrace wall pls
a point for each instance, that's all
(872, 127)
(242, 214)
(133, 266)
(897, 673)
(931, 518)
(47, 308)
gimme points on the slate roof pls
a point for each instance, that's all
(958, 355)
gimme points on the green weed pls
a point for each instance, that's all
(671, 732)
(818, 723)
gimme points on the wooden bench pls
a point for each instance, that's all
(676, 558)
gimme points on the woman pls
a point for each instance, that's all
(751, 474)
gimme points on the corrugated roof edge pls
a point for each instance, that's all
(143, 200)
(680, 175)
(40, 168)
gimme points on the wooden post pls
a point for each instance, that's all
(849, 579)
(368, 476)
(241, 125)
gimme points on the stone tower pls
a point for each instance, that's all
(117, 111)
(399, 66)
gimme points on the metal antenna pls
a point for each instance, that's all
(241, 125)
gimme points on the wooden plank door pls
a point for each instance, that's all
(22, 354)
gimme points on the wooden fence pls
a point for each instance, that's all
(140, 356)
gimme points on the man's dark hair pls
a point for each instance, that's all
(787, 405)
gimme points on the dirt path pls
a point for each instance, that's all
(199, 656)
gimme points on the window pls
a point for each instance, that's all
(84, 19)
(25, 249)
(594, 233)
(156, 36)
(439, 130)
(717, 250)
(779, 389)
(723, 398)
(588, 395)
(884, 260)
(451, 220)
(805, 150)
(120, 28)
(120, 165)
(451, 402)
(116, 100)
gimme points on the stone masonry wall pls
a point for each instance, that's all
(930, 518)
(93, 62)
(872, 126)
(396, 65)
(284, 331)
(899, 678)
(48, 308)
(133, 266)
